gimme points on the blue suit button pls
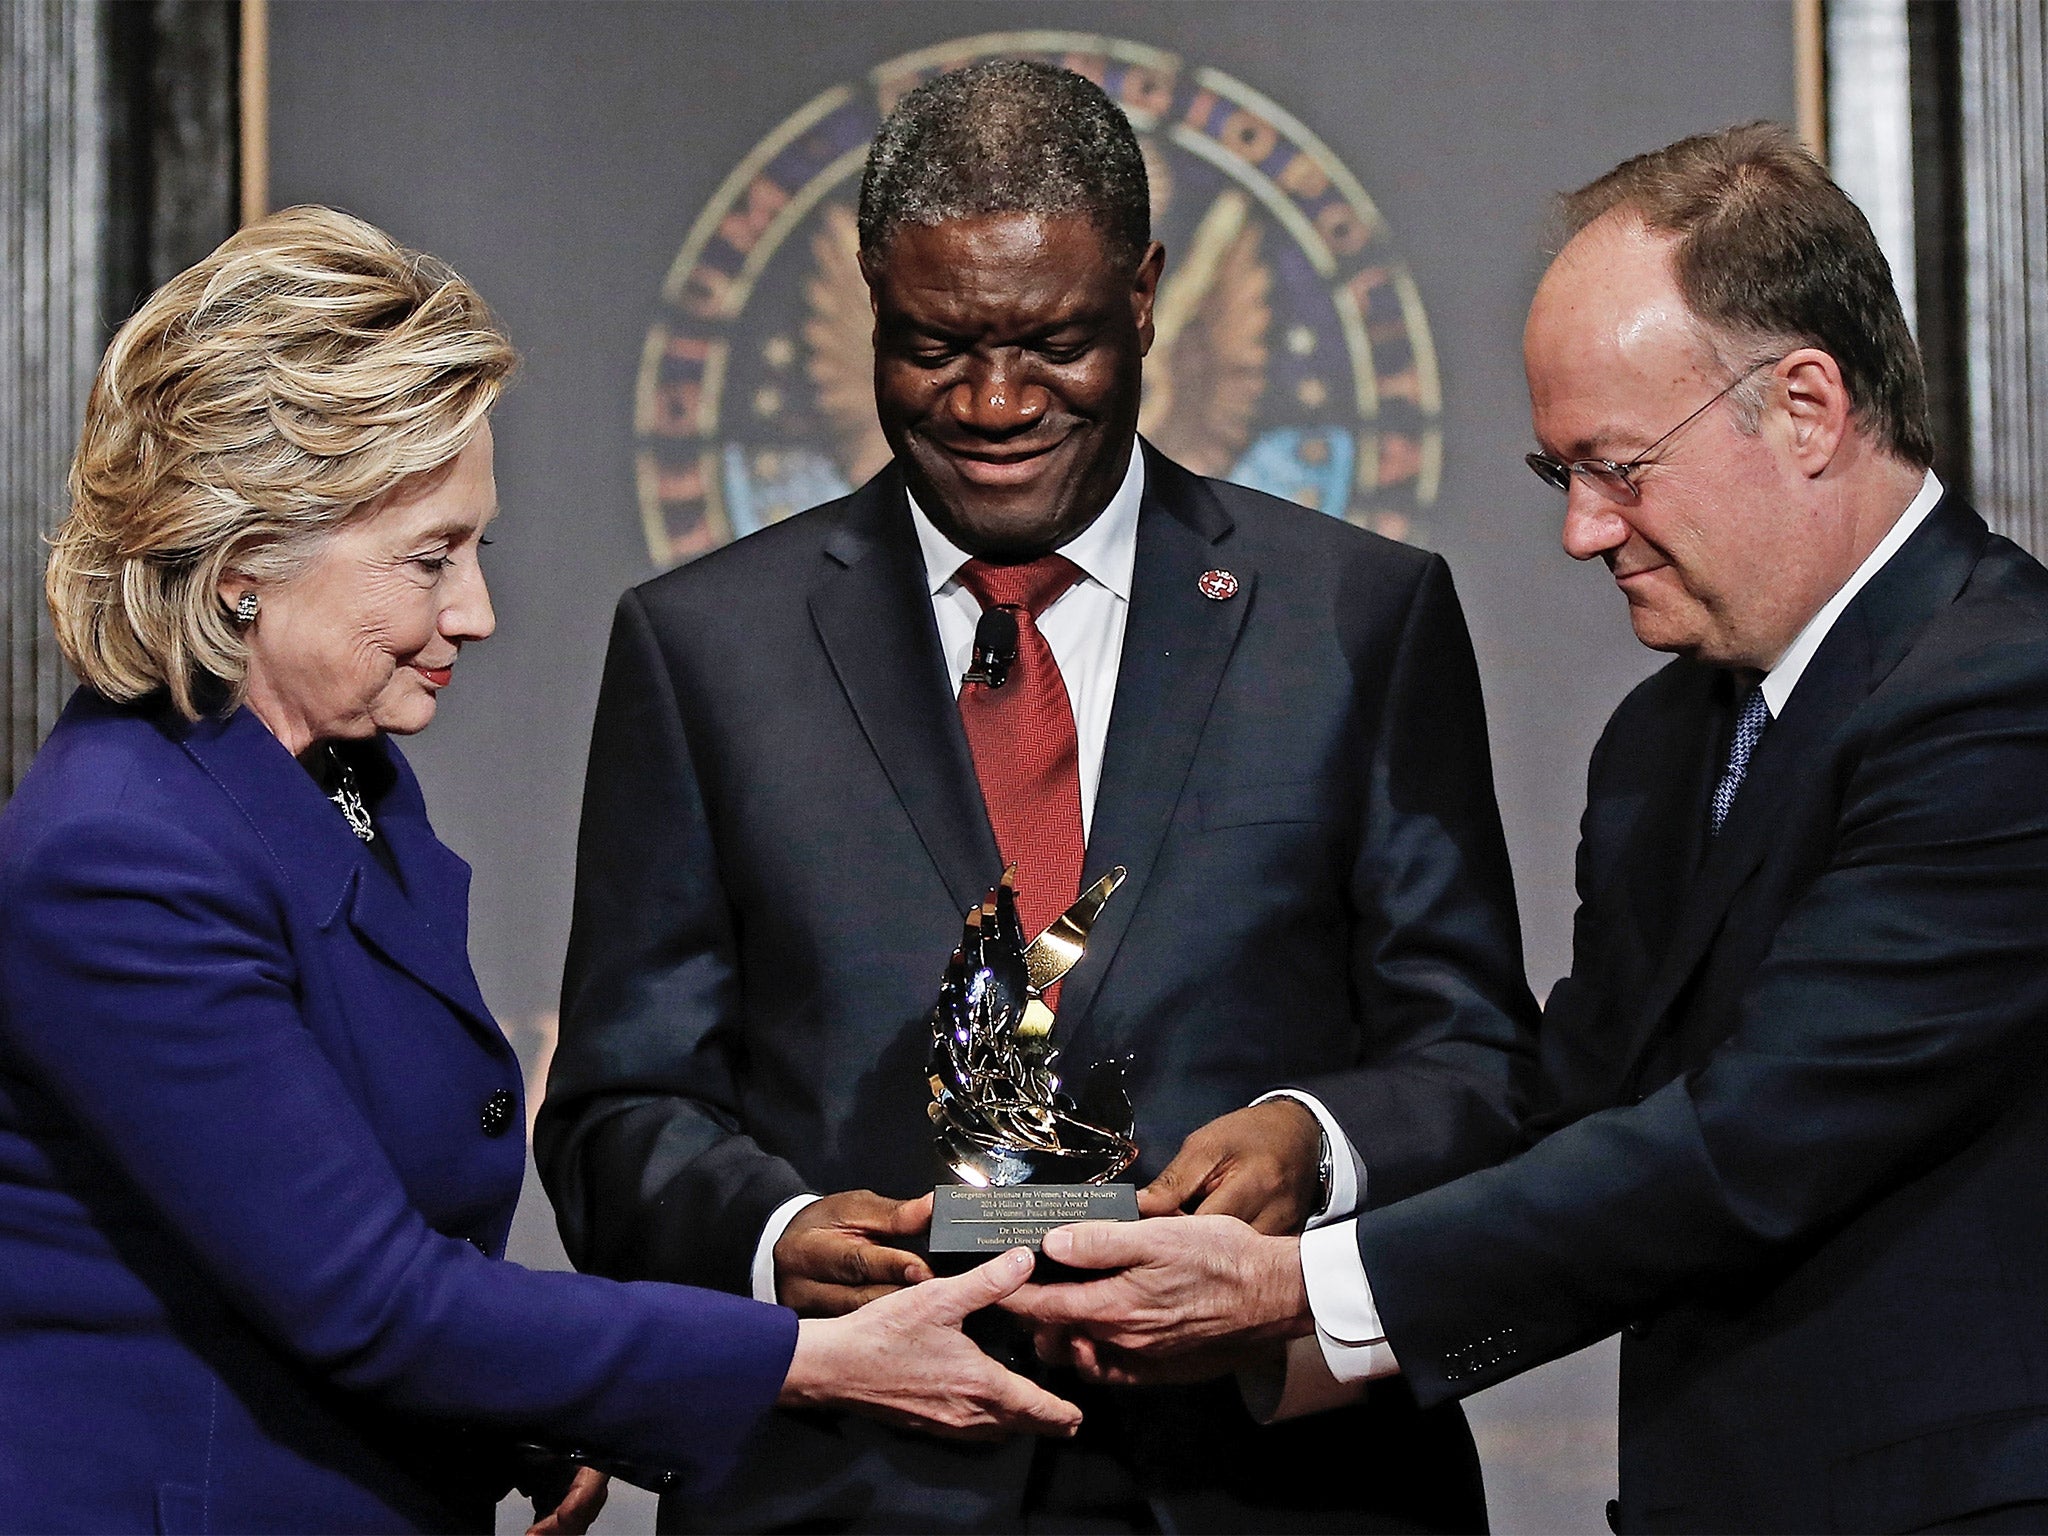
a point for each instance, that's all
(497, 1115)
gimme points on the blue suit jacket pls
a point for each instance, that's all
(1795, 1087)
(250, 1211)
(782, 827)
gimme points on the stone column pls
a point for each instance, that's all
(53, 54)
(117, 156)
(2004, 47)
(1870, 125)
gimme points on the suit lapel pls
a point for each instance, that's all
(1667, 836)
(873, 614)
(306, 836)
(1176, 645)
(1870, 638)
(423, 929)
(1793, 749)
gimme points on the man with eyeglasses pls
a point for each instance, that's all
(1791, 1134)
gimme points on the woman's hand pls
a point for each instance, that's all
(579, 1506)
(903, 1359)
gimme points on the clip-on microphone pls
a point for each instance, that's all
(995, 648)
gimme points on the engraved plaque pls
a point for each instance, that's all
(986, 1222)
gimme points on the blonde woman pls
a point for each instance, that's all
(260, 1139)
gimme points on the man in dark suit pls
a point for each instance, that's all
(1270, 718)
(1792, 1088)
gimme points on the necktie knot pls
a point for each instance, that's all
(1032, 586)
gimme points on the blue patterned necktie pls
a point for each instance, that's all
(1749, 729)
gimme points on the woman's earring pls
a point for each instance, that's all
(245, 608)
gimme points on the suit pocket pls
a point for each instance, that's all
(1257, 805)
(180, 1510)
(1942, 1475)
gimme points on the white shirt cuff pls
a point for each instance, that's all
(771, 1234)
(1354, 1344)
(1347, 1168)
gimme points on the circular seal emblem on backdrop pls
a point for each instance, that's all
(1293, 354)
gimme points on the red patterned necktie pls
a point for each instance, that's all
(1022, 735)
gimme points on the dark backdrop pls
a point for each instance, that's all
(557, 155)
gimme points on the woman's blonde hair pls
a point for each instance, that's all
(247, 410)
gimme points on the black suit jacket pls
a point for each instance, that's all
(1796, 1074)
(782, 828)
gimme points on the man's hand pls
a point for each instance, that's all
(1181, 1285)
(579, 1506)
(903, 1359)
(1105, 1365)
(1261, 1165)
(835, 1255)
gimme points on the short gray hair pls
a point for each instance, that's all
(1007, 136)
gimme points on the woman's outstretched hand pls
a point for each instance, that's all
(903, 1359)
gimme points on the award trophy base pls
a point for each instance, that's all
(971, 1225)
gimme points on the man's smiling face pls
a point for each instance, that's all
(1008, 366)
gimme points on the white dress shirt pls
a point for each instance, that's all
(1780, 680)
(1084, 628)
(1354, 1346)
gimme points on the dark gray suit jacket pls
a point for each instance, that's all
(1793, 1086)
(782, 828)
